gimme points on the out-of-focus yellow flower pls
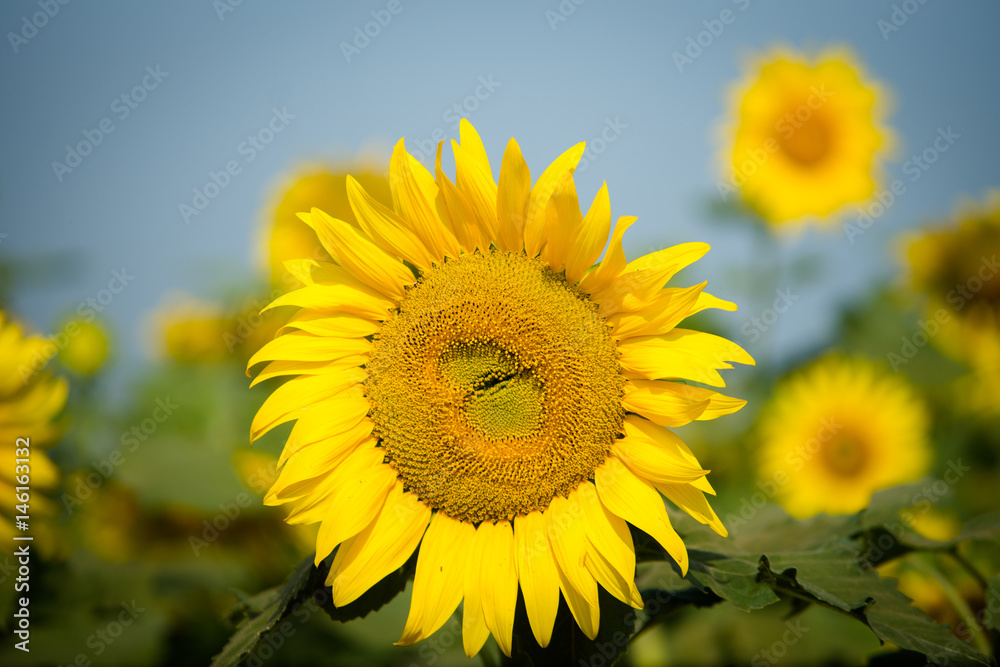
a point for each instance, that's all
(30, 400)
(936, 525)
(805, 136)
(323, 187)
(956, 266)
(86, 347)
(189, 330)
(837, 432)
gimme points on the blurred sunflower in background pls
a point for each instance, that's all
(30, 401)
(189, 330)
(805, 136)
(956, 264)
(324, 187)
(836, 432)
(86, 347)
(464, 372)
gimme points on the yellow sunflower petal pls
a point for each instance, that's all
(313, 464)
(337, 299)
(611, 556)
(693, 501)
(498, 582)
(479, 189)
(662, 403)
(675, 257)
(512, 198)
(601, 276)
(326, 420)
(364, 492)
(380, 548)
(668, 403)
(296, 396)
(659, 460)
(366, 261)
(635, 501)
(357, 461)
(706, 300)
(416, 196)
(386, 229)
(681, 353)
(538, 200)
(567, 530)
(592, 238)
(474, 629)
(473, 144)
(304, 346)
(460, 211)
(661, 314)
(536, 571)
(587, 616)
(562, 224)
(322, 323)
(438, 583)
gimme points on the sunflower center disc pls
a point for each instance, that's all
(494, 387)
(809, 141)
(845, 455)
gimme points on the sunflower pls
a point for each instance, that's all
(805, 137)
(955, 264)
(837, 432)
(189, 330)
(468, 382)
(86, 347)
(30, 399)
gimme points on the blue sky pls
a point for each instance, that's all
(199, 81)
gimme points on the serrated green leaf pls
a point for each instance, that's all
(893, 619)
(256, 625)
(306, 585)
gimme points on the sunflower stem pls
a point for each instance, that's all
(927, 567)
(968, 567)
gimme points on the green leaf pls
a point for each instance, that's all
(893, 619)
(256, 625)
(305, 586)
(824, 560)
